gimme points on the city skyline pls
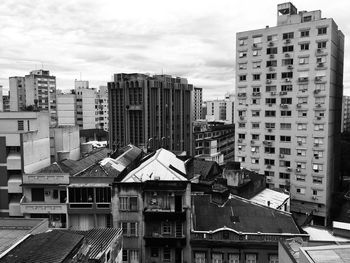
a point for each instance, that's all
(92, 40)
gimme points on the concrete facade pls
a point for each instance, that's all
(150, 111)
(64, 143)
(102, 107)
(25, 147)
(197, 102)
(345, 124)
(220, 110)
(289, 88)
(66, 110)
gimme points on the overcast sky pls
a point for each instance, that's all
(188, 38)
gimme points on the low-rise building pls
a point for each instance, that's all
(64, 143)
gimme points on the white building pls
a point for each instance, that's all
(66, 110)
(102, 108)
(220, 110)
(65, 143)
(87, 117)
(288, 109)
(24, 148)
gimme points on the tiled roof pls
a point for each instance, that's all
(50, 247)
(53, 168)
(164, 166)
(248, 217)
(99, 239)
(76, 167)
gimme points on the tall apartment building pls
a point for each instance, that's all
(197, 102)
(345, 124)
(289, 88)
(36, 90)
(220, 110)
(102, 108)
(85, 105)
(150, 111)
(24, 148)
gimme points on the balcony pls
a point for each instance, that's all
(14, 207)
(89, 208)
(14, 161)
(46, 179)
(157, 239)
(28, 207)
(14, 184)
(152, 215)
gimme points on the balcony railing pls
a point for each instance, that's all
(156, 239)
(46, 179)
(28, 207)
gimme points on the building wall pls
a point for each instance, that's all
(86, 105)
(150, 112)
(197, 102)
(318, 96)
(17, 91)
(66, 109)
(65, 143)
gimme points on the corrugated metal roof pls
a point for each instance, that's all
(277, 199)
(50, 247)
(99, 239)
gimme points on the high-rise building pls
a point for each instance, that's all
(220, 110)
(102, 107)
(197, 102)
(86, 105)
(150, 111)
(66, 109)
(289, 89)
(345, 127)
(37, 91)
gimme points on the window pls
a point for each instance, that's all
(255, 125)
(242, 65)
(20, 125)
(301, 139)
(256, 89)
(256, 101)
(38, 195)
(301, 152)
(302, 100)
(285, 126)
(270, 150)
(318, 154)
(322, 31)
(287, 61)
(134, 256)
(271, 76)
(270, 137)
(255, 113)
(272, 38)
(300, 177)
(233, 258)
(287, 49)
(257, 39)
(242, 54)
(286, 88)
(286, 113)
(270, 113)
(303, 60)
(255, 149)
(166, 254)
(166, 228)
(270, 125)
(317, 167)
(288, 74)
(256, 53)
(241, 136)
(288, 35)
(269, 162)
(216, 258)
(314, 192)
(304, 33)
(242, 77)
(284, 176)
(307, 18)
(319, 127)
(243, 42)
(270, 88)
(286, 100)
(284, 163)
(125, 255)
(257, 64)
(318, 141)
(301, 165)
(271, 63)
(302, 114)
(270, 100)
(269, 173)
(241, 159)
(304, 46)
(255, 161)
(256, 76)
(255, 136)
(317, 180)
(302, 126)
(285, 138)
(199, 257)
(301, 191)
(241, 125)
(129, 228)
(250, 258)
(285, 151)
(322, 44)
(271, 50)
(128, 203)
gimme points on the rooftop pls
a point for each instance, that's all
(276, 198)
(325, 254)
(240, 215)
(163, 165)
(98, 238)
(13, 230)
(49, 247)
(322, 234)
(205, 170)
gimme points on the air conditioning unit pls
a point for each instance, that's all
(240, 140)
(319, 50)
(299, 105)
(252, 142)
(318, 105)
(287, 41)
(271, 68)
(298, 170)
(268, 166)
(290, 67)
(300, 143)
(314, 197)
(241, 118)
(289, 169)
(255, 45)
(318, 78)
(273, 93)
(272, 56)
(287, 55)
(320, 65)
(318, 118)
(270, 104)
(316, 144)
(281, 155)
(316, 91)
(287, 80)
(268, 81)
(268, 143)
(270, 44)
(268, 180)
